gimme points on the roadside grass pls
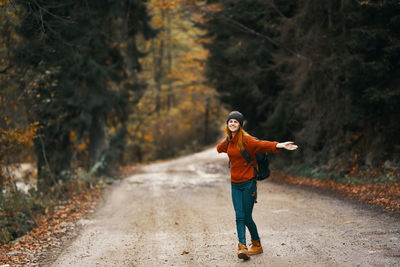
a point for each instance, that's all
(360, 177)
(368, 186)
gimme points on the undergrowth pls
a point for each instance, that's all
(359, 177)
(18, 210)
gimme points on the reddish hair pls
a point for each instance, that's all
(242, 135)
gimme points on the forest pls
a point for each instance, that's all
(322, 73)
(88, 87)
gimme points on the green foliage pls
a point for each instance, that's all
(77, 61)
(19, 210)
(240, 65)
(17, 213)
(321, 73)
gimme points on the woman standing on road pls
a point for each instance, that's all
(243, 184)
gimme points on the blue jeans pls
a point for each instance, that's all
(243, 197)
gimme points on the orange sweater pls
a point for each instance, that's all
(240, 170)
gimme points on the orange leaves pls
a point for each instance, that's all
(165, 4)
(31, 247)
(82, 147)
(148, 138)
(177, 94)
(386, 195)
(214, 7)
(364, 3)
(12, 139)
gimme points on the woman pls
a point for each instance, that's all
(243, 184)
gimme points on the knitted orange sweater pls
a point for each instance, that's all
(240, 170)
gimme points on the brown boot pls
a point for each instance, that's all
(242, 252)
(256, 248)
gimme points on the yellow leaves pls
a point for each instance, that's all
(177, 94)
(164, 4)
(72, 136)
(113, 130)
(7, 120)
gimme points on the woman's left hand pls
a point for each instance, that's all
(287, 146)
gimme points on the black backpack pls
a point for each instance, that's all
(262, 172)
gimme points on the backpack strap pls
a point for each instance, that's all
(249, 159)
(227, 145)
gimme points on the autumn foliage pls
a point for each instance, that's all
(179, 112)
(87, 86)
(384, 195)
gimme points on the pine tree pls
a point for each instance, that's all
(322, 73)
(241, 64)
(71, 53)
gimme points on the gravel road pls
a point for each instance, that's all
(179, 213)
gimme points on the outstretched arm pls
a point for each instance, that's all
(221, 147)
(287, 146)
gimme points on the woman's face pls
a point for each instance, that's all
(233, 125)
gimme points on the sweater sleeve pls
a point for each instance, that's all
(260, 146)
(222, 147)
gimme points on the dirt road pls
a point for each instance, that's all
(179, 213)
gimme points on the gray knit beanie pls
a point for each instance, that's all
(237, 116)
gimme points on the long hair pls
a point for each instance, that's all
(242, 134)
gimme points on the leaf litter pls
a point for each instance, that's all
(52, 226)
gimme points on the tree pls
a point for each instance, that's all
(322, 73)
(179, 112)
(71, 58)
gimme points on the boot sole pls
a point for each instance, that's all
(243, 256)
(255, 253)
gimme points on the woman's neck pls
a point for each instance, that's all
(234, 133)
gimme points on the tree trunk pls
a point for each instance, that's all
(50, 160)
(170, 95)
(96, 139)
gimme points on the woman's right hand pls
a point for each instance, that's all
(287, 145)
